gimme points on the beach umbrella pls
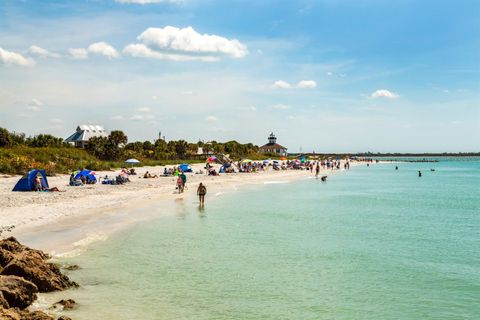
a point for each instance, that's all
(211, 159)
(132, 161)
(283, 158)
(247, 160)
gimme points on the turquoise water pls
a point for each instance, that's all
(371, 243)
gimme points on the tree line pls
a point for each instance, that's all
(116, 147)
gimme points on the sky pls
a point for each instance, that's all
(324, 76)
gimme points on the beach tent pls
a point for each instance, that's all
(224, 167)
(85, 173)
(185, 167)
(26, 182)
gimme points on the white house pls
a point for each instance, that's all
(85, 132)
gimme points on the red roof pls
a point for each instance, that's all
(272, 146)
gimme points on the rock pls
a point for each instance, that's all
(23, 273)
(16, 314)
(10, 314)
(17, 291)
(31, 265)
(5, 257)
(35, 315)
(12, 245)
(64, 304)
(72, 267)
(64, 318)
(3, 301)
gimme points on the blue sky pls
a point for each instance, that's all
(328, 76)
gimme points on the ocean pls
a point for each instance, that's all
(370, 243)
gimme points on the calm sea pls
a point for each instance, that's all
(370, 243)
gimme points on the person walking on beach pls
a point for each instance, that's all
(317, 170)
(201, 192)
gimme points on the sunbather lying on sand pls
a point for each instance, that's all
(148, 175)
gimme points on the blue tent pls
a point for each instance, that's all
(26, 183)
(88, 174)
(185, 167)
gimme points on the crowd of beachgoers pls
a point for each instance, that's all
(88, 177)
(85, 192)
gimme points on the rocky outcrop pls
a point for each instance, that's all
(19, 260)
(16, 314)
(17, 292)
(23, 273)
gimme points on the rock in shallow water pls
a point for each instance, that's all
(64, 304)
(19, 260)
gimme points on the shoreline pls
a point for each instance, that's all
(62, 222)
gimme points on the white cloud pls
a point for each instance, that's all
(43, 53)
(252, 108)
(144, 109)
(383, 93)
(211, 119)
(33, 108)
(13, 58)
(104, 49)
(292, 117)
(280, 84)
(78, 53)
(141, 117)
(56, 121)
(117, 118)
(171, 43)
(35, 102)
(154, 97)
(142, 51)
(24, 115)
(34, 105)
(307, 84)
(187, 93)
(281, 107)
(146, 1)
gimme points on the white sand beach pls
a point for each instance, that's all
(36, 212)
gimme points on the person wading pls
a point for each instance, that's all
(201, 192)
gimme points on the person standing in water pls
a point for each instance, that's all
(201, 192)
(419, 173)
(179, 184)
(317, 170)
